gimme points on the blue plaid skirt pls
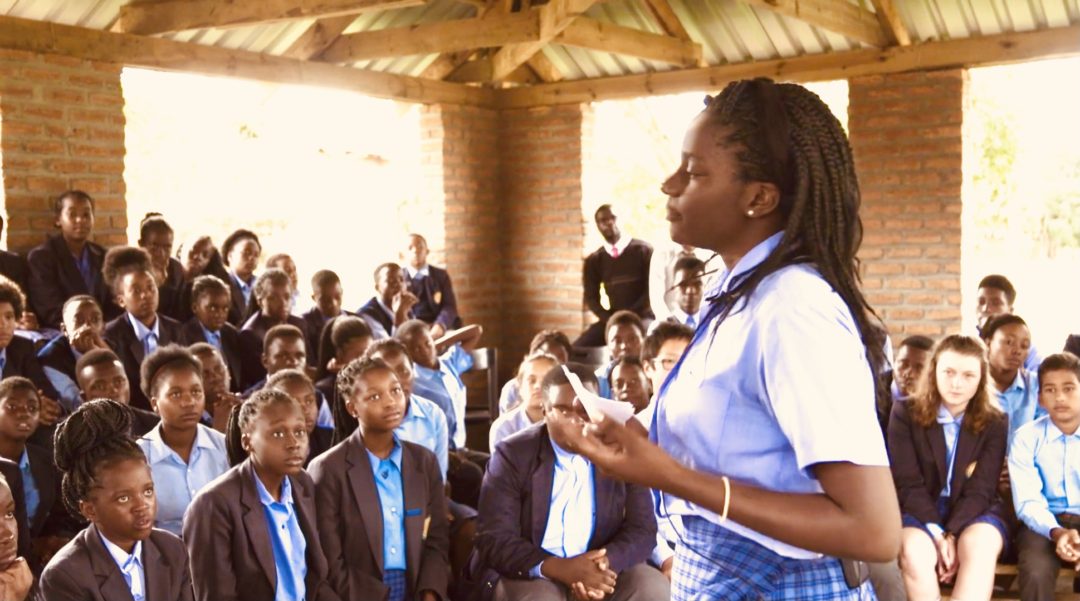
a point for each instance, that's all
(395, 581)
(713, 563)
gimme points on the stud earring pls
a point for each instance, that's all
(750, 213)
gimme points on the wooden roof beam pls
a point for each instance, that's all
(667, 19)
(555, 16)
(429, 38)
(318, 37)
(608, 37)
(965, 52)
(838, 16)
(165, 16)
(169, 55)
(891, 24)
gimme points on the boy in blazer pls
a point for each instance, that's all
(394, 544)
(210, 304)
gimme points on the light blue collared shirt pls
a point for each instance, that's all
(177, 482)
(572, 510)
(148, 336)
(212, 337)
(391, 489)
(130, 565)
(245, 287)
(3, 358)
(287, 539)
(30, 490)
(1044, 467)
(752, 399)
(507, 425)
(1020, 401)
(444, 387)
(603, 379)
(950, 426)
(425, 424)
(423, 272)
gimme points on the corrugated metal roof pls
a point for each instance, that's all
(729, 31)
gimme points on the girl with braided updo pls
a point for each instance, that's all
(15, 576)
(765, 446)
(252, 533)
(120, 555)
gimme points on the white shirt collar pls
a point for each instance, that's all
(412, 273)
(620, 244)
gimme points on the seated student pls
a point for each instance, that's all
(911, 360)
(252, 533)
(947, 445)
(12, 475)
(1045, 474)
(210, 305)
(660, 351)
(624, 334)
(219, 398)
(100, 375)
(156, 237)
(200, 257)
(1008, 340)
(326, 293)
(286, 263)
(549, 342)
(68, 263)
(996, 297)
(394, 547)
(17, 355)
(392, 304)
(273, 297)
(688, 291)
(552, 526)
(140, 330)
(295, 383)
(82, 331)
(15, 576)
(344, 338)
(183, 454)
(530, 374)
(438, 378)
(49, 525)
(436, 303)
(629, 382)
(120, 555)
(240, 251)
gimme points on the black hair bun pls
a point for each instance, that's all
(93, 424)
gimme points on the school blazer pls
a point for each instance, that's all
(345, 486)
(13, 267)
(515, 500)
(192, 333)
(232, 556)
(171, 293)
(437, 301)
(58, 354)
(13, 475)
(22, 361)
(918, 461)
(120, 336)
(239, 310)
(142, 421)
(83, 570)
(251, 342)
(54, 278)
(371, 310)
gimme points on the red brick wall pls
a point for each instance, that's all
(61, 126)
(906, 134)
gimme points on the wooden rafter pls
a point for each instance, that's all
(607, 37)
(445, 64)
(428, 38)
(157, 53)
(837, 16)
(318, 37)
(479, 71)
(667, 19)
(891, 24)
(164, 16)
(964, 52)
(544, 68)
(555, 16)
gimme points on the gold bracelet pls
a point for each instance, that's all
(727, 497)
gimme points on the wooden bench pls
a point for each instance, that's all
(1006, 583)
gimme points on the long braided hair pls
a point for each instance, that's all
(785, 135)
(95, 436)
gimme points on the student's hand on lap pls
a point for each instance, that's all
(582, 569)
(947, 564)
(1067, 546)
(50, 410)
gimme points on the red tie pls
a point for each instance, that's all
(614, 252)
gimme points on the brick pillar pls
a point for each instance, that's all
(61, 126)
(906, 134)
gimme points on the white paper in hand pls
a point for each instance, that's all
(597, 406)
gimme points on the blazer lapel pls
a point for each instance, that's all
(604, 496)
(110, 581)
(155, 566)
(965, 450)
(362, 481)
(255, 524)
(415, 489)
(305, 510)
(69, 271)
(543, 478)
(936, 437)
(45, 481)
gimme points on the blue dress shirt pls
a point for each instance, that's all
(572, 510)
(148, 336)
(444, 387)
(30, 490)
(211, 337)
(1020, 401)
(1044, 467)
(177, 482)
(753, 397)
(425, 424)
(245, 287)
(287, 539)
(392, 500)
(86, 270)
(130, 565)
